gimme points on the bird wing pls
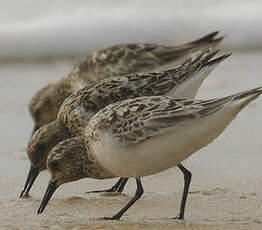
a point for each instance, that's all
(135, 120)
(138, 57)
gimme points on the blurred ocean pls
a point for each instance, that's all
(30, 29)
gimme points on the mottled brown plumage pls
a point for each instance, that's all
(42, 142)
(79, 107)
(137, 58)
(83, 163)
(111, 62)
(142, 136)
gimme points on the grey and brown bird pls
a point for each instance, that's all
(111, 62)
(140, 137)
(79, 107)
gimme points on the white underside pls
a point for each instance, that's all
(189, 88)
(163, 151)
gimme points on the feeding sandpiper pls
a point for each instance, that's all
(140, 137)
(76, 111)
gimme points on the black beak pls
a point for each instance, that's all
(35, 129)
(52, 186)
(32, 175)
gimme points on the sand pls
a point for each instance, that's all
(226, 186)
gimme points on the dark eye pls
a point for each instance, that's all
(36, 114)
(40, 147)
(48, 101)
(53, 165)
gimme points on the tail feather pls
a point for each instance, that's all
(208, 56)
(207, 40)
(218, 59)
(169, 55)
(203, 57)
(244, 98)
(240, 100)
(192, 65)
(253, 92)
(205, 61)
(193, 72)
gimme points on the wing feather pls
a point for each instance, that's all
(136, 120)
(141, 57)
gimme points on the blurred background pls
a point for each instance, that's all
(68, 28)
(41, 40)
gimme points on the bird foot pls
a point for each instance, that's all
(110, 218)
(102, 191)
(179, 219)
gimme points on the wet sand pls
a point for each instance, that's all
(226, 186)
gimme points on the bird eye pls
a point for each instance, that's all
(40, 147)
(36, 114)
(54, 165)
(48, 101)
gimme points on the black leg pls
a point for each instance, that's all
(122, 185)
(187, 179)
(115, 188)
(139, 193)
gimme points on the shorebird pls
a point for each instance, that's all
(111, 62)
(77, 109)
(140, 137)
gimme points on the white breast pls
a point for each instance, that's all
(163, 151)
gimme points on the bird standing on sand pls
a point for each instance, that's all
(140, 137)
(111, 62)
(76, 111)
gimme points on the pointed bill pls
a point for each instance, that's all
(52, 186)
(32, 175)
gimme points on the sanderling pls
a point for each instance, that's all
(78, 108)
(140, 137)
(111, 62)
(82, 105)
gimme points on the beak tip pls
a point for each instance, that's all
(39, 212)
(52, 186)
(23, 193)
(32, 175)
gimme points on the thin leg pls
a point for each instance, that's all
(115, 188)
(187, 179)
(139, 193)
(122, 185)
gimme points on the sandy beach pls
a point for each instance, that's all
(226, 188)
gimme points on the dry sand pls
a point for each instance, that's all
(226, 186)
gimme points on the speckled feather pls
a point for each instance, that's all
(141, 137)
(78, 108)
(135, 120)
(132, 122)
(111, 62)
(83, 163)
(141, 57)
